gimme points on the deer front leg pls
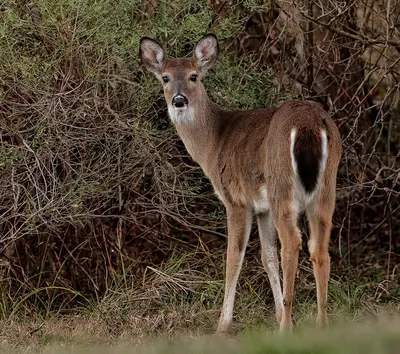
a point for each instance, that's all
(239, 225)
(269, 258)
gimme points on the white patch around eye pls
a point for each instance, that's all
(181, 115)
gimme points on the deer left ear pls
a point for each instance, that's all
(206, 52)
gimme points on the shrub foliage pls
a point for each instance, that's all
(94, 182)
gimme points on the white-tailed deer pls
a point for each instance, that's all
(274, 164)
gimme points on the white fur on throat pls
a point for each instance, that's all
(181, 115)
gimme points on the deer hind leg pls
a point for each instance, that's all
(320, 221)
(269, 258)
(289, 236)
(239, 225)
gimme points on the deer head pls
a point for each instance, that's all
(181, 77)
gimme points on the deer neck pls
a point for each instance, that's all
(198, 127)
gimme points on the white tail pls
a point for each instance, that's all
(274, 164)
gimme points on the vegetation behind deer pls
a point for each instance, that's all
(99, 197)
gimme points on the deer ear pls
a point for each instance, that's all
(206, 52)
(151, 55)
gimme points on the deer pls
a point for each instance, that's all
(271, 164)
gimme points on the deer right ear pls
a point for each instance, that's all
(206, 52)
(151, 55)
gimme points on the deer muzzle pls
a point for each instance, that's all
(179, 101)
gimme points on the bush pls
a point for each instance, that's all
(95, 183)
(94, 179)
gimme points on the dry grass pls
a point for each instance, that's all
(174, 333)
(182, 299)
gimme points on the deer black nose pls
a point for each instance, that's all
(179, 100)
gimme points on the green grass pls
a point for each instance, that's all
(347, 339)
(364, 338)
(176, 306)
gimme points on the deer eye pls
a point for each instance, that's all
(193, 77)
(165, 79)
